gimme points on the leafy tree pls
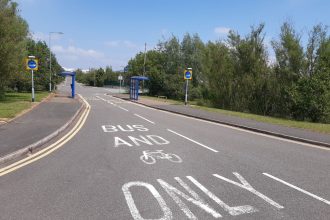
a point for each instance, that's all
(250, 75)
(289, 67)
(219, 70)
(317, 38)
(13, 31)
(41, 51)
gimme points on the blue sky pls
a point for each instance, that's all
(98, 33)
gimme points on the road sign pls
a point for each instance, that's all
(188, 74)
(120, 77)
(31, 64)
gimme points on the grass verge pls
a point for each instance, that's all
(14, 103)
(317, 127)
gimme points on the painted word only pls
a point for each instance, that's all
(178, 197)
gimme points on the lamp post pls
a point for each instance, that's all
(50, 59)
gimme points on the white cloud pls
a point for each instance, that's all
(75, 52)
(72, 57)
(112, 43)
(39, 36)
(222, 30)
(129, 44)
(121, 43)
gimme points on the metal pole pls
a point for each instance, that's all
(50, 66)
(119, 86)
(186, 96)
(32, 86)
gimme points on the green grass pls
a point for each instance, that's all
(14, 103)
(318, 127)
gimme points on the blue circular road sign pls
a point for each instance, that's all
(32, 64)
(188, 75)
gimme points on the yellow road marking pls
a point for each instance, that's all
(46, 151)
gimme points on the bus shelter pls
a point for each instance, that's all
(135, 86)
(73, 79)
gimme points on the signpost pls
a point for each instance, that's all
(32, 64)
(120, 78)
(187, 76)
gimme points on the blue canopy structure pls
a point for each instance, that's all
(73, 77)
(134, 86)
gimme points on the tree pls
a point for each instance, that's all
(289, 67)
(317, 38)
(13, 32)
(249, 57)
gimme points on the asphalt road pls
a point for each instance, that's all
(132, 162)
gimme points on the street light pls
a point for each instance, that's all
(50, 60)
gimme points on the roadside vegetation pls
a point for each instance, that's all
(16, 44)
(317, 127)
(14, 102)
(237, 74)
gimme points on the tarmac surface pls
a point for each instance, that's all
(123, 160)
(267, 128)
(53, 113)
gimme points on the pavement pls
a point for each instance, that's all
(295, 134)
(37, 126)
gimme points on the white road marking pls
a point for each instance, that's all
(238, 210)
(297, 188)
(123, 108)
(231, 127)
(175, 193)
(101, 98)
(108, 101)
(202, 145)
(248, 187)
(167, 213)
(149, 139)
(150, 157)
(145, 119)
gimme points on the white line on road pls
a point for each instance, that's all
(109, 102)
(209, 148)
(228, 126)
(297, 188)
(122, 108)
(145, 119)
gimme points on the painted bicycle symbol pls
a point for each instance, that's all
(149, 157)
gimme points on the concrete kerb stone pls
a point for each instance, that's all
(293, 138)
(32, 147)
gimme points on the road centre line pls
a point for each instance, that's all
(145, 119)
(108, 101)
(123, 108)
(53, 147)
(202, 145)
(231, 127)
(299, 189)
